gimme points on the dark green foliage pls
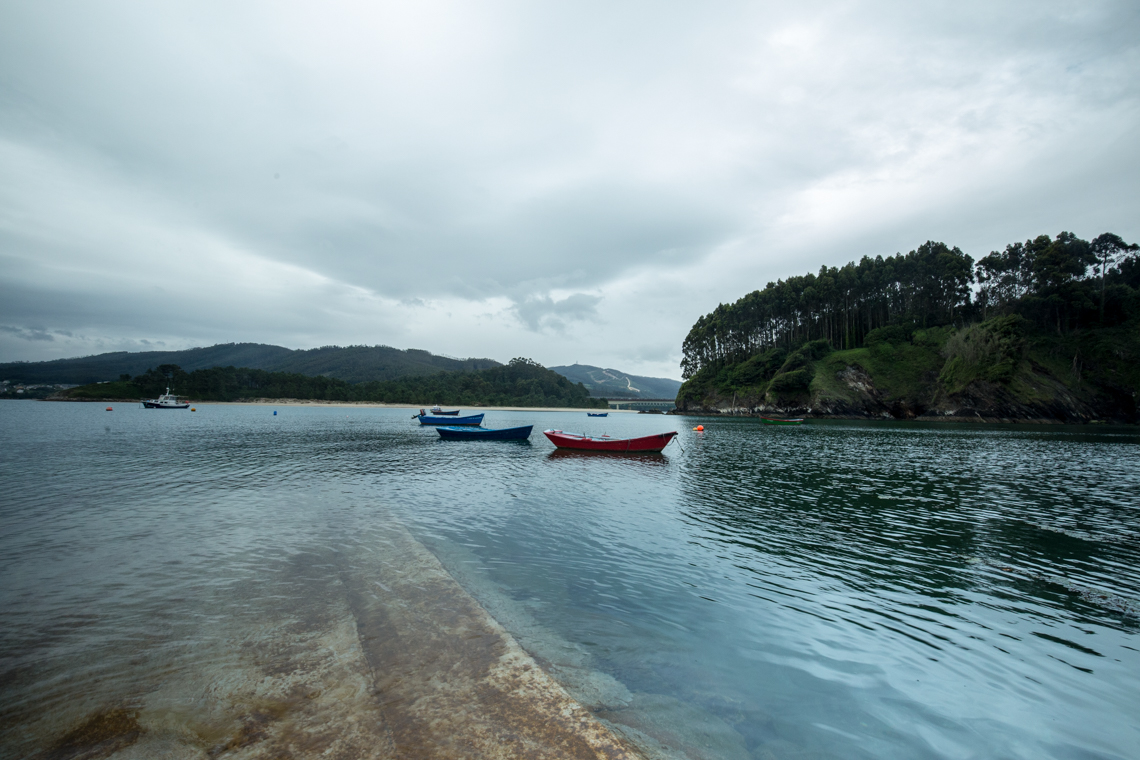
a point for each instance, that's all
(123, 389)
(521, 383)
(803, 356)
(894, 335)
(991, 351)
(796, 380)
(358, 364)
(757, 370)
(797, 371)
(815, 349)
(234, 383)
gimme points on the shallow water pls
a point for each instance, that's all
(834, 590)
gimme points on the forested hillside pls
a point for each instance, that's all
(1045, 329)
(520, 383)
(353, 364)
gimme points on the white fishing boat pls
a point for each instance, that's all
(166, 401)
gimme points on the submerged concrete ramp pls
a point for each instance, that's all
(362, 650)
(452, 682)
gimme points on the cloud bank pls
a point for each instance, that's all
(567, 181)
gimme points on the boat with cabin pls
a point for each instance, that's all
(166, 401)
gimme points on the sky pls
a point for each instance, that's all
(569, 182)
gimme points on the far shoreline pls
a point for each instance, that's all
(972, 419)
(348, 405)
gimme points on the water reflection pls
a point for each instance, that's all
(614, 458)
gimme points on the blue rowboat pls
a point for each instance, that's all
(484, 434)
(600, 414)
(427, 419)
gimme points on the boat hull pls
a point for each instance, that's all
(655, 442)
(474, 419)
(483, 434)
(770, 421)
(154, 405)
(603, 414)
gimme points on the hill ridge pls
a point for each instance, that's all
(352, 364)
(613, 383)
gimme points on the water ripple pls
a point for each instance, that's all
(835, 590)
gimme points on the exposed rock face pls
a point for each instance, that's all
(1038, 396)
(1056, 403)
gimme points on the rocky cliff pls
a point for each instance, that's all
(1000, 370)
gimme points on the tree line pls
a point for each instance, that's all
(522, 382)
(1062, 283)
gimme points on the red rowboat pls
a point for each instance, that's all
(605, 443)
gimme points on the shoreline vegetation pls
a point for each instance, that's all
(285, 402)
(521, 383)
(1051, 334)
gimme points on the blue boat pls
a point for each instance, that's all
(484, 434)
(599, 414)
(427, 419)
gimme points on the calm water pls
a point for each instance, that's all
(837, 590)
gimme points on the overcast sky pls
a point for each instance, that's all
(564, 181)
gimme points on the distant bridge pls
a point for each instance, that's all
(643, 404)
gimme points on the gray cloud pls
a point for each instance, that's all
(191, 174)
(28, 333)
(540, 313)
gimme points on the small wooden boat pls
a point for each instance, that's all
(599, 414)
(436, 411)
(427, 419)
(774, 421)
(605, 443)
(484, 434)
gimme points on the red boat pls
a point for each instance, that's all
(605, 443)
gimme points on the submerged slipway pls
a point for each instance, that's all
(339, 583)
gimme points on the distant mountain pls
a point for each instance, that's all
(612, 383)
(353, 364)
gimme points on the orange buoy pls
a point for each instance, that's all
(699, 428)
(109, 409)
(193, 409)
